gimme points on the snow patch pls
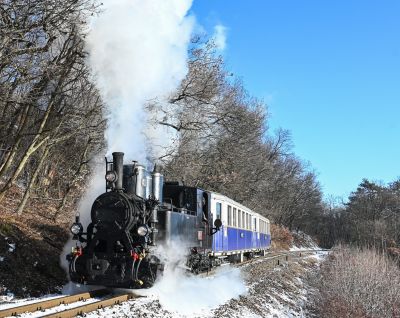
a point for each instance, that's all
(11, 247)
(302, 241)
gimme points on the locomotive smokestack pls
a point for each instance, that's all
(118, 165)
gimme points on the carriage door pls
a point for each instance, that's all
(254, 242)
(219, 236)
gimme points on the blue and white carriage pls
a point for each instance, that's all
(243, 231)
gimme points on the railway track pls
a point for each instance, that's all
(280, 257)
(276, 258)
(107, 298)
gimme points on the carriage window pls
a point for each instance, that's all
(240, 219)
(234, 217)
(255, 225)
(219, 209)
(243, 220)
(229, 215)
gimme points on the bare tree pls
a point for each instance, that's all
(47, 97)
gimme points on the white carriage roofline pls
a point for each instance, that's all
(238, 205)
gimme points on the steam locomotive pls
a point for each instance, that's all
(139, 211)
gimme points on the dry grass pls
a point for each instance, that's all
(359, 283)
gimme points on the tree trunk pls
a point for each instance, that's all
(32, 181)
(9, 159)
(35, 144)
(32, 148)
(35, 93)
(82, 163)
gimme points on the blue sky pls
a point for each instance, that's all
(329, 72)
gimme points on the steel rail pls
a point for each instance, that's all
(275, 256)
(282, 254)
(116, 300)
(46, 304)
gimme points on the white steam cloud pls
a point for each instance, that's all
(219, 36)
(186, 294)
(138, 52)
(190, 295)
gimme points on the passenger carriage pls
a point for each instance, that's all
(243, 231)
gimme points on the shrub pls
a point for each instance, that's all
(359, 283)
(282, 238)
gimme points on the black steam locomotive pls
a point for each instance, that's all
(137, 212)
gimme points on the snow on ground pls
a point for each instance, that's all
(11, 247)
(302, 241)
(269, 291)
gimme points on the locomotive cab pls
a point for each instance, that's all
(183, 218)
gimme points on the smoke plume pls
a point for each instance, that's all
(138, 52)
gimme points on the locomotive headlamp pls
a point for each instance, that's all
(111, 176)
(76, 228)
(143, 230)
